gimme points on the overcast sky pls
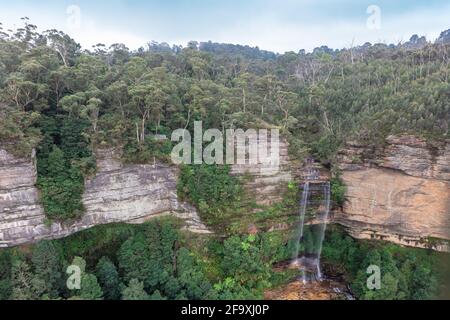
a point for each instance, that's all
(276, 25)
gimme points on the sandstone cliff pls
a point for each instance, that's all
(399, 193)
(117, 193)
(266, 182)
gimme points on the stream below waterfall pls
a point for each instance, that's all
(314, 205)
(327, 288)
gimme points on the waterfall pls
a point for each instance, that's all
(301, 224)
(311, 256)
(323, 225)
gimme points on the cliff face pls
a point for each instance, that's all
(131, 194)
(400, 193)
(266, 182)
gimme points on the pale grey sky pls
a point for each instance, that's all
(277, 25)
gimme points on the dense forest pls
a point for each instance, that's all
(65, 102)
(156, 261)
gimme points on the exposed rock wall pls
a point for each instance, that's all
(400, 193)
(265, 182)
(117, 193)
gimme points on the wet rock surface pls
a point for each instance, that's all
(314, 290)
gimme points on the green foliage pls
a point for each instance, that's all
(168, 266)
(66, 102)
(78, 101)
(156, 296)
(151, 257)
(135, 291)
(322, 98)
(80, 263)
(64, 159)
(191, 276)
(47, 267)
(109, 279)
(443, 273)
(134, 260)
(245, 264)
(229, 289)
(406, 273)
(154, 259)
(326, 147)
(148, 152)
(90, 289)
(212, 189)
(73, 140)
(62, 188)
(96, 242)
(338, 191)
(17, 132)
(5, 274)
(25, 286)
(89, 286)
(244, 260)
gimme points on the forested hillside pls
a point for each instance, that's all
(52, 91)
(65, 102)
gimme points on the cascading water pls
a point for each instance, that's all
(308, 247)
(299, 237)
(323, 225)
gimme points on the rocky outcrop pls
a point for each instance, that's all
(414, 157)
(399, 193)
(117, 193)
(266, 182)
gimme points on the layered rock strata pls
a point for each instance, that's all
(400, 193)
(117, 193)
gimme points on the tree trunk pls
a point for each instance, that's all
(137, 133)
(244, 100)
(143, 128)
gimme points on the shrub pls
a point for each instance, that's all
(338, 191)
(211, 188)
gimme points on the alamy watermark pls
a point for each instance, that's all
(374, 280)
(73, 17)
(374, 19)
(74, 280)
(239, 147)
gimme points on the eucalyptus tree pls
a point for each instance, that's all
(67, 49)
